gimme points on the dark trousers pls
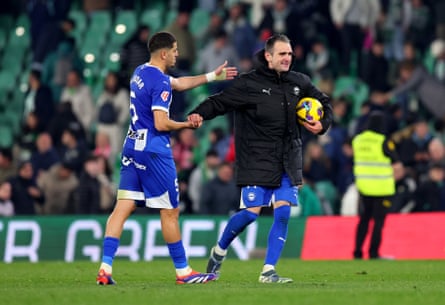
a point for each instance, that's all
(375, 208)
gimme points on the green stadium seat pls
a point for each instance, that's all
(6, 22)
(111, 60)
(80, 19)
(3, 38)
(199, 21)
(6, 135)
(124, 27)
(6, 82)
(352, 88)
(23, 21)
(152, 18)
(100, 20)
(19, 36)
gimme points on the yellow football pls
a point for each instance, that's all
(309, 110)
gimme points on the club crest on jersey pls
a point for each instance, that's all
(165, 95)
(251, 196)
(296, 90)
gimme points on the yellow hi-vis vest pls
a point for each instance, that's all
(372, 169)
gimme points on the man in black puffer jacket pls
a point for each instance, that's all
(268, 145)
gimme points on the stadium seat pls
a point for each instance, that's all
(100, 20)
(353, 89)
(23, 21)
(19, 36)
(12, 59)
(6, 82)
(3, 38)
(6, 22)
(6, 136)
(199, 21)
(124, 27)
(111, 60)
(152, 18)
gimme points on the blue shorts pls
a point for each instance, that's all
(149, 179)
(256, 196)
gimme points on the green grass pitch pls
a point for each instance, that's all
(315, 282)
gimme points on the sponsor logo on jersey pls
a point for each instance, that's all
(165, 95)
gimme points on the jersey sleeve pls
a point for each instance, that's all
(161, 94)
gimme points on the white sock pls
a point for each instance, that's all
(107, 268)
(268, 268)
(219, 251)
(184, 271)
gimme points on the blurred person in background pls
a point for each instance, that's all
(6, 205)
(58, 185)
(26, 195)
(220, 195)
(7, 168)
(430, 194)
(79, 94)
(113, 111)
(73, 149)
(375, 156)
(134, 52)
(87, 195)
(200, 175)
(45, 155)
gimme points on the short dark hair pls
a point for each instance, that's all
(270, 42)
(161, 40)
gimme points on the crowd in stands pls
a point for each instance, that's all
(386, 55)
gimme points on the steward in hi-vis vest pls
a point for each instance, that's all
(372, 168)
(374, 159)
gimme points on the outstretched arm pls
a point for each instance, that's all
(187, 82)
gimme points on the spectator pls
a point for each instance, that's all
(7, 168)
(58, 64)
(6, 205)
(421, 27)
(215, 25)
(73, 150)
(45, 156)
(201, 174)
(102, 147)
(218, 50)
(38, 101)
(430, 91)
(108, 189)
(413, 150)
(395, 20)
(182, 148)
(219, 141)
(87, 195)
(186, 41)
(403, 199)
(134, 52)
(64, 119)
(26, 139)
(375, 69)
(241, 34)
(439, 10)
(318, 60)
(113, 112)
(438, 53)
(317, 166)
(430, 195)
(57, 185)
(79, 95)
(353, 20)
(220, 195)
(49, 39)
(277, 18)
(25, 193)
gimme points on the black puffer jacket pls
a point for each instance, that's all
(267, 135)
